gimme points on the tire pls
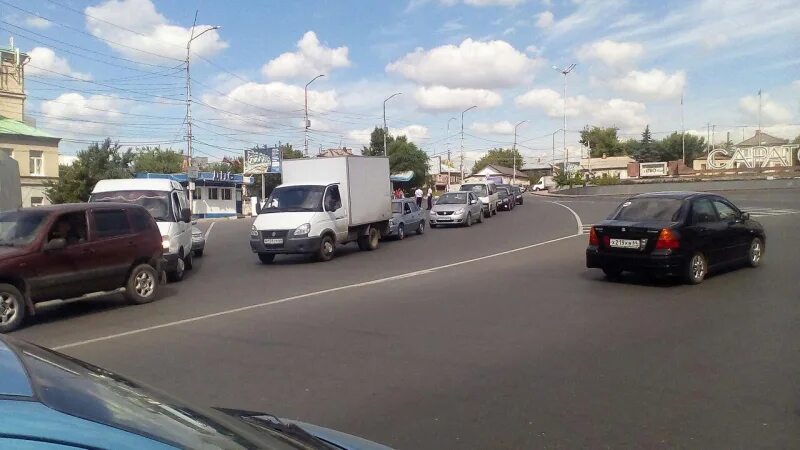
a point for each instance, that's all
(487, 213)
(480, 218)
(198, 253)
(468, 222)
(177, 274)
(12, 308)
(696, 269)
(188, 261)
(521, 201)
(373, 239)
(433, 225)
(612, 273)
(266, 258)
(327, 247)
(401, 232)
(494, 212)
(755, 254)
(421, 227)
(142, 285)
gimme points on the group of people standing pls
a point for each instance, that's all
(419, 195)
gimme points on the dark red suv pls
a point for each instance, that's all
(66, 251)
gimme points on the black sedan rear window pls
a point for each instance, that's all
(649, 210)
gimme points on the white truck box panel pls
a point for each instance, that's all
(370, 190)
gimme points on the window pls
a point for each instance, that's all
(36, 163)
(213, 194)
(406, 208)
(332, 199)
(649, 209)
(198, 193)
(71, 227)
(703, 211)
(37, 201)
(726, 212)
(140, 220)
(111, 223)
(226, 194)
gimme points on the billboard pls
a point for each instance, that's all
(653, 169)
(752, 157)
(262, 160)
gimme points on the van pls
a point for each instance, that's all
(545, 183)
(167, 202)
(487, 193)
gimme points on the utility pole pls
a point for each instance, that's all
(462, 141)
(708, 137)
(553, 161)
(683, 133)
(565, 72)
(713, 133)
(385, 129)
(192, 37)
(759, 110)
(449, 161)
(307, 123)
(514, 152)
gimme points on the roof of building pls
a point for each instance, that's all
(15, 127)
(503, 170)
(331, 152)
(609, 162)
(761, 138)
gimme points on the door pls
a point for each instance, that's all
(332, 204)
(61, 273)
(238, 201)
(184, 236)
(409, 218)
(114, 248)
(707, 233)
(476, 206)
(737, 234)
(417, 215)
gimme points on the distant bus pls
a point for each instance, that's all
(10, 190)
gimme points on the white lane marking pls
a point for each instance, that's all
(307, 295)
(766, 212)
(208, 231)
(577, 217)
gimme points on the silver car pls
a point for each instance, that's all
(456, 208)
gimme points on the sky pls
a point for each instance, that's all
(117, 68)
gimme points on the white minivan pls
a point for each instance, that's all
(487, 193)
(167, 202)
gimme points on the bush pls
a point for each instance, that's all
(563, 179)
(606, 180)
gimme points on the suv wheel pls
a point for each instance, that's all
(188, 261)
(142, 284)
(12, 308)
(177, 274)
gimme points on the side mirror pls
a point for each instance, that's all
(194, 222)
(186, 215)
(745, 216)
(55, 244)
(473, 201)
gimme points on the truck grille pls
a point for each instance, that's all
(269, 234)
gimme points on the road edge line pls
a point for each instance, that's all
(577, 217)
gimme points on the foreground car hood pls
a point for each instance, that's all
(338, 438)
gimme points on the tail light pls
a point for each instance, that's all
(593, 240)
(667, 240)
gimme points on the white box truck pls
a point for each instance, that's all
(324, 203)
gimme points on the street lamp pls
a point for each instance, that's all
(565, 72)
(462, 141)
(553, 161)
(449, 160)
(514, 151)
(192, 37)
(385, 129)
(308, 123)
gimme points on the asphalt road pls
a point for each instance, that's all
(494, 336)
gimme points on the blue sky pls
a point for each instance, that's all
(114, 68)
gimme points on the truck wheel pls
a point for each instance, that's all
(177, 274)
(266, 258)
(487, 213)
(326, 248)
(188, 261)
(12, 308)
(142, 285)
(373, 239)
(494, 212)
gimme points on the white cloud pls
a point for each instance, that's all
(72, 105)
(655, 84)
(360, 136)
(440, 98)
(412, 132)
(44, 62)
(772, 113)
(618, 55)
(586, 14)
(156, 35)
(472, 64)
(311, 59)
(796, 84)
(493, 2)
(614, 112)
(503, 127)
(545, 19)
(37, 22)
(534, 50)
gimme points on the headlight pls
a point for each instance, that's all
(165, 242)
(254, 232)
(302, 229)
(459, 212)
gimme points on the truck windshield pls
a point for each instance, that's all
(155, 202)
(478, 189)
(19, 228)
(295, 198)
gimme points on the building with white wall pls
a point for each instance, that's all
(216, 194)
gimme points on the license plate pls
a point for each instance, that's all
(624, 243)
(273, 241)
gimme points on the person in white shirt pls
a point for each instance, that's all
(418, 195)
(430, 198)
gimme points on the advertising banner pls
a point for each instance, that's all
(262, 160)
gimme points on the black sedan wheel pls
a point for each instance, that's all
(612, 272)
(697, 269)
(756, 253)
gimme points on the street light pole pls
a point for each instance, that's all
(553, 161)
(461, 166)
(192, 37)
(514, 151)
(565, 72)
(385, 129)
(449, 161)
(307, 124)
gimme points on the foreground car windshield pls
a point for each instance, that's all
(479, 189)
(649, 209)
(294, 198)
(18, 228)
(155, 202)
(452, 199)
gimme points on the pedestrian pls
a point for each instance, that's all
(418, 195)
(430, 198)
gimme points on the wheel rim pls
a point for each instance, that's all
(8, 307)
(144, 284)
(698, 267)
(401, 232)
(421, 227)
(755, 251)
(327, 247)
(373, 238)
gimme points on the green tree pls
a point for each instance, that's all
(376, 143)
(671, 148)
(97, 162)
(646, 150)
(156, 160)
(500, 157)
(602, 141)
(405, 156)
(287, 152)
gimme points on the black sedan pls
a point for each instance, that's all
(682, 234)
